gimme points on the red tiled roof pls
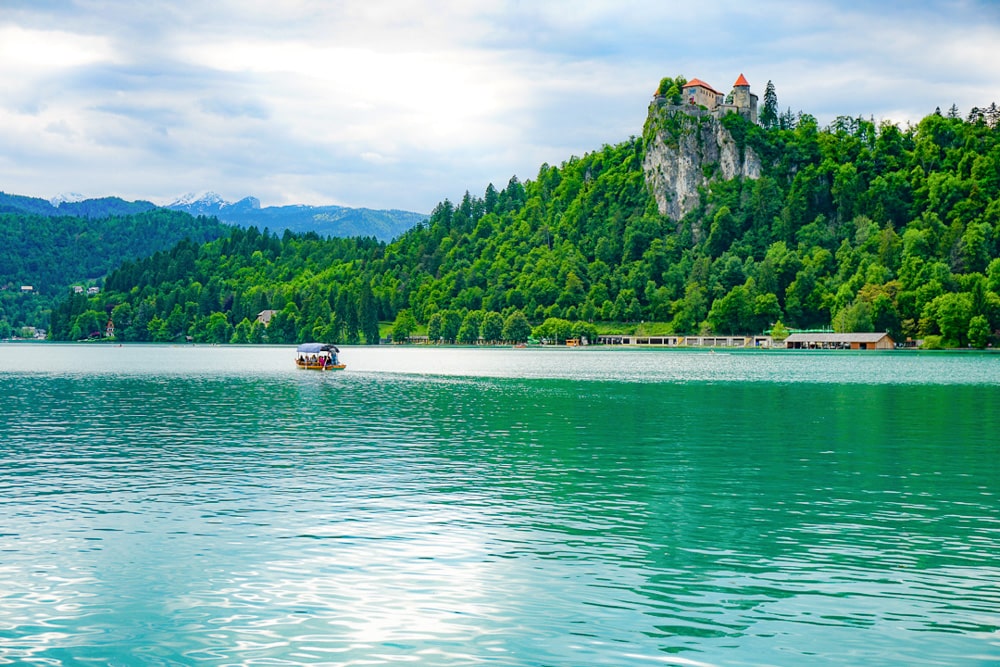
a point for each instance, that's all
(698, 82)
(741, 81)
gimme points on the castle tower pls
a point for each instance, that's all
(745, 101)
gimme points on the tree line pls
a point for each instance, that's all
(52, 253)
(857, 225)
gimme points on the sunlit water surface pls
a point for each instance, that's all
(216, 506)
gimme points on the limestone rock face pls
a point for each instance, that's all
(685, 151)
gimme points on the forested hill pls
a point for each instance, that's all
(103, 207)
(856, 225)
(52, 253)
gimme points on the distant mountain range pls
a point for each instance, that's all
(338, 221)
(341, 221)
(103, 207)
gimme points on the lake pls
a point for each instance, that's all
(455, 506)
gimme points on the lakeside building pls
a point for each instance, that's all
(687, 341)
(840, 341)
(796, 341)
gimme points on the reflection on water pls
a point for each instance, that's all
(605, 364)
(215, 506)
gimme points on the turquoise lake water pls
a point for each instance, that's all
(216, 506)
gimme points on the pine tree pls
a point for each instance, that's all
(490, 198)
(769, 113)
(787, 120)
(369, 316)
(353, 322)
(993, 115)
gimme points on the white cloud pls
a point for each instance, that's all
(376, 158)
(354, 94)
(30, 50)
(401, 104)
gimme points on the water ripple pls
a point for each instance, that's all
(231, 517)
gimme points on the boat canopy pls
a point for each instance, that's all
(315, 348)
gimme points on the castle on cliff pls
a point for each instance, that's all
(698, 94)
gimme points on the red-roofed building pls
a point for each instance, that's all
(699, 93)
(744, 101)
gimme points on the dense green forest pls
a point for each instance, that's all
(859, 226)
(51, 253)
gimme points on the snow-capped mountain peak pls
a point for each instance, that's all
(207, 199)
(66, 197)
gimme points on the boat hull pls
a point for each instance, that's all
(317, 367)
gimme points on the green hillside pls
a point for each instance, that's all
(51, 253)
(859, 226)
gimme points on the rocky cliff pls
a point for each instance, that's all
(686, 149)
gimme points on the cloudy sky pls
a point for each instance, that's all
(400, 104)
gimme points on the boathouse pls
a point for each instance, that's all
(628, 339)
(840, 341)
(686, 341)
(717, 341)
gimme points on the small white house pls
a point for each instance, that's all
(264, 316)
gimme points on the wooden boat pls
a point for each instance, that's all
(318, 357)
